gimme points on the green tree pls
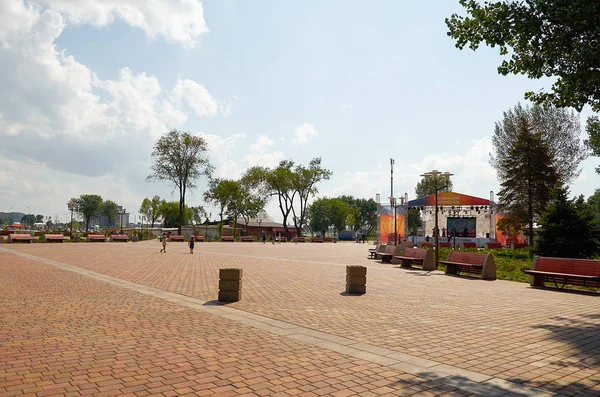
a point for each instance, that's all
(169, 211)
(279, 182)
(28, 219)
(200, 214)
(413, 220)
(220, 194)
(150, 208)
(568, 229)
(559, 129)
(88, 206)
(594, 202)
(527, 178)
(110, 209)
(363, 214)
(305, 186)
(541, 38)
(180, 158)
(39, 218)
(319, 215)
(593, 142)
(339, 211)
(426, 186)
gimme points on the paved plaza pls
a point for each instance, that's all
(109, 319)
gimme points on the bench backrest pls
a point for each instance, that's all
(389, 249)
(381, 248)
(21, 236)
(469, 244)
(445, 244)
(469, 258)
(584, 267)
(199, 238)
(491, 246)
(408, 244)
(425, 244)
(417, 253)
(97, 236)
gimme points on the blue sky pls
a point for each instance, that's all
(90, 85)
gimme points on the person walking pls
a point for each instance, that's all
(191, 244)
(264, 238)
(163, 240)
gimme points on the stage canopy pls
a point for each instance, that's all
(449, 199)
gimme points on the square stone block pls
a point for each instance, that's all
(356, 280)
(353, 270)
(356, 289)
(230, 274)
(230, 285)
(230, 296)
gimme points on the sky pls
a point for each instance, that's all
(88, 86)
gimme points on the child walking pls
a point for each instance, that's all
(163, 240)
(191, 244)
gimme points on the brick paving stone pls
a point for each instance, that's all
(516, 333)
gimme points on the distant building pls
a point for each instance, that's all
(102, 220)
(256, 226)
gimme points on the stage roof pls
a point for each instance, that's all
(448, 199)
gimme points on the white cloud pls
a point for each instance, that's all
(346, 108)
(261, 154)
(304, 133)
(175, 20)
(196, 96)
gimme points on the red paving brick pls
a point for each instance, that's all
(543, 339)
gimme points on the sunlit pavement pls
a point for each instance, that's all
(124, 319)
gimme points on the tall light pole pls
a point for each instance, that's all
(206, 229)
(428, 176)
(260, 226)
(377, 199)
(123, 210)
(492, 231)
(71, 207)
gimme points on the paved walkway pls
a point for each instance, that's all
(89, 330)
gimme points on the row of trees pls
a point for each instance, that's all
(181, 158)
(92, 205)
(341, 213)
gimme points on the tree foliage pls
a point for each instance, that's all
(527, 177)
(413, 220)
(593, 142)
(305, 185)
(559, 129)
(220, 193)
(88, 206)
(426, 186)
(568, 229)
(541, 38)
(320, 215)
(169, 211)
(150, 208)
(39, 218)
(362, 214)
(180, 158)
(28, 219)
(110, 209)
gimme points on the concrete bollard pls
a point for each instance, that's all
(230, 285)
(356, 279)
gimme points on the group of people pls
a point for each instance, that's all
(165, 236)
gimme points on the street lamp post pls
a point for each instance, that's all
(260, 226)
(123, 210)
(434, 175)
(71, 207)
(206, 229)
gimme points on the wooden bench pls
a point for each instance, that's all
(248, 239)
(300, 239)
(373, 251)
(445, 244)
(422, 256)
(316, 240)
(227, 238)
(119, 237)
(518, 245)
(470, 262)
(176, 237)
(96, 237)
(583, 272)
(493, 246)
(423, 244)
(469, 244)
(199, 238)
(388, 253)
(53, 238)
(19, 238)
